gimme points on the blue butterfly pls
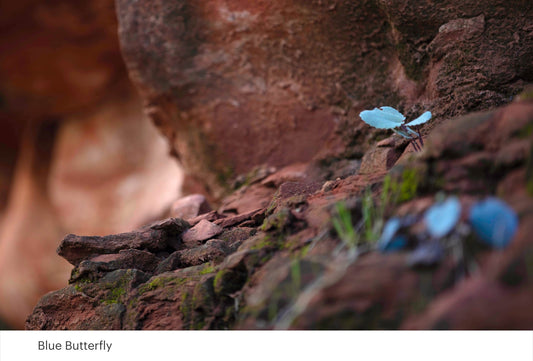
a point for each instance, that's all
(442, 217)
(390, 118)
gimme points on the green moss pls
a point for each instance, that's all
(116, 284)
(186, 307)
(253, 176)
(303, 251)
(81, 284)
(277, 221)
(207, 269)
(160, 282)
(273, 205)
(266, 242)
(529, 173)
(201, 305)
(529, 187)
(203, 295)
(526, 94)
(228, 281)
(218, 281)
(150, 286)
(115, 296)
(406, 189)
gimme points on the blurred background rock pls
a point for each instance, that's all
(77, 154)
(232, 85)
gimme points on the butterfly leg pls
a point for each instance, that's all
(404, 132)
(418, 135)
(415, 145)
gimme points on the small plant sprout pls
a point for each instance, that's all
(389, 118)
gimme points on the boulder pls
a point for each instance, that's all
(238, 85)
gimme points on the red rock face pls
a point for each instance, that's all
(238, 84)
(62, 55)
(77, 153)
(234, 84)
(285, 266)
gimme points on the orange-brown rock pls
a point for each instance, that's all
(294, 269)
(63, 56)
(237, 84)
(77, 153)
(234, 85)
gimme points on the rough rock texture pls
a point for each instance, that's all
(190, 207)
(285, 266)
(158, 237)
(234, 85)
(241, 89)
(202, 231)
(77, 154)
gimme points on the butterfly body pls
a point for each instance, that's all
(389, 118)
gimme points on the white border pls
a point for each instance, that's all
(275, 345)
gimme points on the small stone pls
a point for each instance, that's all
(388, 142)
(378, 160)
(233, 237)
(160, 236)
(202, 231)
(209, 216)
(328, 186)
(212, 251)
(189, 207)
(247, 199)
(292, 173)
(291, 189)
(98, 266)
(171, 226)
(239, 218)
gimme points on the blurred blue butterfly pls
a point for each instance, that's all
(389, 118)
(442, 217)
(494, 222)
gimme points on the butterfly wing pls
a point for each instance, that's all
(384, 118)
(421, 119)
(392, 111)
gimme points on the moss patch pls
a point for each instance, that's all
(278, 222)
(115, 296)
(266, 242)
(529, 173)
(406, 187)
(228, 281)
(162, 282)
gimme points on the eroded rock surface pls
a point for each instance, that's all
(77, 154)
(240, 90)
(290, 268)
(235, 85)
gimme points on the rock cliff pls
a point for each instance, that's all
(295, 204)
(271, 257)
